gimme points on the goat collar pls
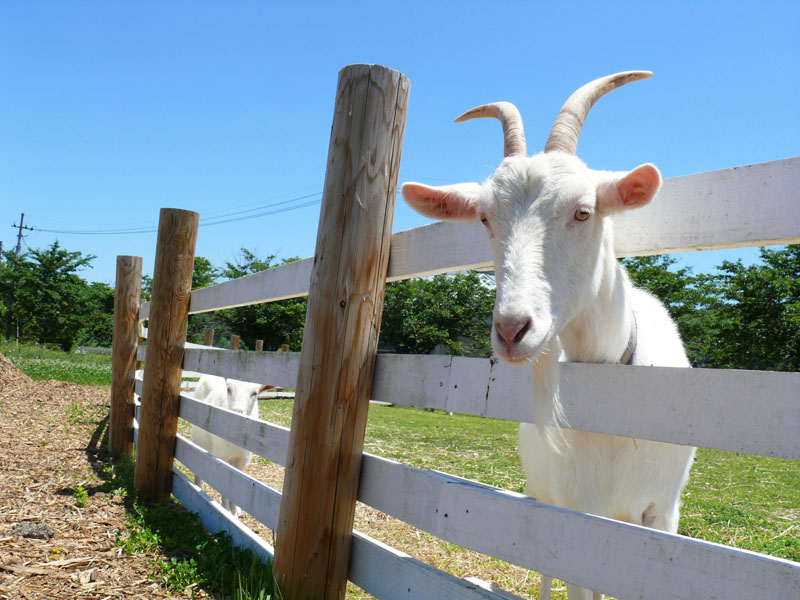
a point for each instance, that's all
(627, 356)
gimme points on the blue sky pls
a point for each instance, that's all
(111, 110)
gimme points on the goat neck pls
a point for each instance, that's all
(600, 332)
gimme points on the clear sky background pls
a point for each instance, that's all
(111, 110)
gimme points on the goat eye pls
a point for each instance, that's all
(583, 213)
(485, 221)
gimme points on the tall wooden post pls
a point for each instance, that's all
(341, 333)
(209, 337)
(259, 345)
(169, 315)
(234, 342)
(125, 339)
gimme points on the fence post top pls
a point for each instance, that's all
(369, 67)
(178, 211)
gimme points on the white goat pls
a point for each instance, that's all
(561, 291)
(238, 396)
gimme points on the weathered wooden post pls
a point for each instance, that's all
(169, 315)
(284, 347)
(234, 342)
(341, 333)
(125, 339)
(209, 337)
(259, 345)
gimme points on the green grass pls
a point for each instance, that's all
(81, 495)
(746, 501)
(40, 364)
(193, 557)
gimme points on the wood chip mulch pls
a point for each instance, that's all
(50, 545)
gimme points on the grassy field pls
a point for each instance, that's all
(745, 501)
(740, 500)
(40, 364)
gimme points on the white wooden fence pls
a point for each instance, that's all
(746, 411)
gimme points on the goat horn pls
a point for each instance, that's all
(513, 131)
(567, 128)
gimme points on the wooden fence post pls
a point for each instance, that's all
(259, 345)
(169, 315)
(209, 339)
(125, 339)
(341, 333)
(234, 342)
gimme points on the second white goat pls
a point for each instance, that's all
(238, 396)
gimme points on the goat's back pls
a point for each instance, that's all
(213, 390)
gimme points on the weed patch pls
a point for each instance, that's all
(194, 558)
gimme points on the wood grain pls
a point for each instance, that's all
(376, 567)
(502, 524)
(341, 333)
(125, 339)
(172, 284)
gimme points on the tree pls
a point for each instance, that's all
(448, 313)
(98, 322)
(758, 316)
(203, 275)
(741, 317)
(49, 299)
(690, 299)
(276, 323)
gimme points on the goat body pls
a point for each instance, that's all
(561, 293)
(238, 396)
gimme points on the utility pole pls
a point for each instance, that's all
(21, 226)
(13, 318)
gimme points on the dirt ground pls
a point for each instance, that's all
(51, 546)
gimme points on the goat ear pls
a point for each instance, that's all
(633, 190)
(265, 387)
(448, 203)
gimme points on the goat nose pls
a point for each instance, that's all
(511, 331)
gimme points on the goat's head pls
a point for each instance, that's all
(546, 220)
(243, 396)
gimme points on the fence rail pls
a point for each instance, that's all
(746, 411)
(693, 212)
(711, 408)
(581, 548)
(378, 568)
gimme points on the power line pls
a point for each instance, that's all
(218, 220)
(207, 222)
